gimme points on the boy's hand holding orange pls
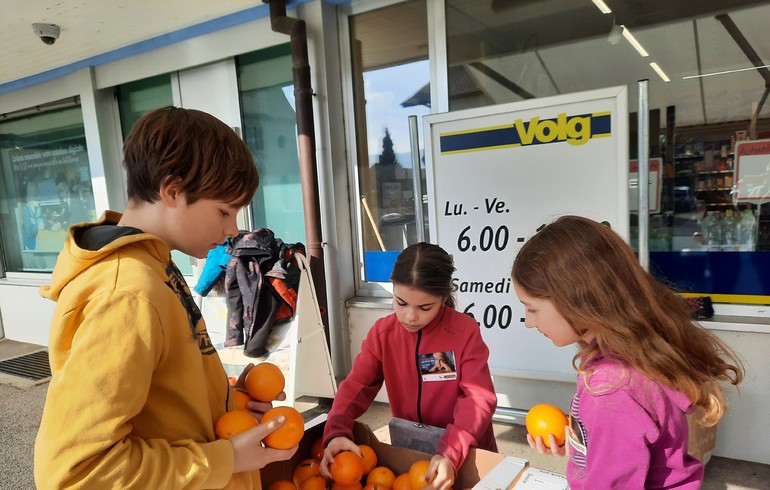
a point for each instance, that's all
(264, 382)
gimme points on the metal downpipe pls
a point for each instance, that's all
(303, 95)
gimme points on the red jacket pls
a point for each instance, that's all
(463, 405)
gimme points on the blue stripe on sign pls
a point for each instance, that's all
(714, 272)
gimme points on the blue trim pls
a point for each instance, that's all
(214, 25)
(379, 265)
(743, 273)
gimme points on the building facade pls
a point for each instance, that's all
(373, 64)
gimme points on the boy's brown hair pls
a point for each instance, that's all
(209, 158)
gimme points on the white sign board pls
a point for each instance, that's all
(752, 171)
(497, 174)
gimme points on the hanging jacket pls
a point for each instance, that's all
(214, 268)
(259, 262)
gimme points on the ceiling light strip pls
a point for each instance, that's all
(737, 70)
(660, 72)
(633, 42)
(603, 8)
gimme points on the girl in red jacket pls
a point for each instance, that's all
(403, 349)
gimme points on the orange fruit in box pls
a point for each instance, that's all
(317, 449)
(355, 486)
(264, 382)
(233, 422)
(370, 458)
(290, 433)
(313, 483)
(544, 419)
(417, 474)
(282, 485)
(402, 482)
(375, 486)
(381, 476)
(305, 469)
(346, 468)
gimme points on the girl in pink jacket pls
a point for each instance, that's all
(643, 364)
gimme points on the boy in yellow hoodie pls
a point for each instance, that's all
(137, 384)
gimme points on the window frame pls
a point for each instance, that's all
(439, 102)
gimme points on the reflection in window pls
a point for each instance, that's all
(708, 92)
(136, 99)
(270, 132)
(45, 186)
(391, 78)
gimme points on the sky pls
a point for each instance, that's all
(385, 90)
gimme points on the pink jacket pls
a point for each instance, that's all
(629, 431)
(462, 402)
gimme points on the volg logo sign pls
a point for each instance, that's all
(574, 130)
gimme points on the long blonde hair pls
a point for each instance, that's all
(619, 310)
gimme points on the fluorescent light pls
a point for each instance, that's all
(616, 34)
(632, 40)
(725, 72)
(602, 6)
(660, 72)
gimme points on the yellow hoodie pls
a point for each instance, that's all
(137, 383)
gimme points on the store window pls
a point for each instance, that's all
(269, 118)
(708, 71)
(45, 185)
(391, 82)
(135, 99)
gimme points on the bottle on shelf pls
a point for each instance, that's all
(729, 229)
(747, 230)
(712, 229)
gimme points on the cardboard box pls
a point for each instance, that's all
(478, 463)
(514, 473)
(702, 440)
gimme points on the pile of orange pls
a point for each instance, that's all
(351, 472)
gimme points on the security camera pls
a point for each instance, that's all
(48, 33)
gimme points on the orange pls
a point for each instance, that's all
(346, 468)
(232, 380)
(264, 382)
(313, 483)
(241, 398)
(355, 486)
(381, 476)
(233, 422)
(370, 458)
(290, 433)
(375, 486)
(282, 485)
(402, 482)
(417, 474)
(317, 450)
(305, 469)
(544, 419)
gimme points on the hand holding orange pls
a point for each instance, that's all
(544, 419)
(290, 433)
(264, 382)
(347, 468)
